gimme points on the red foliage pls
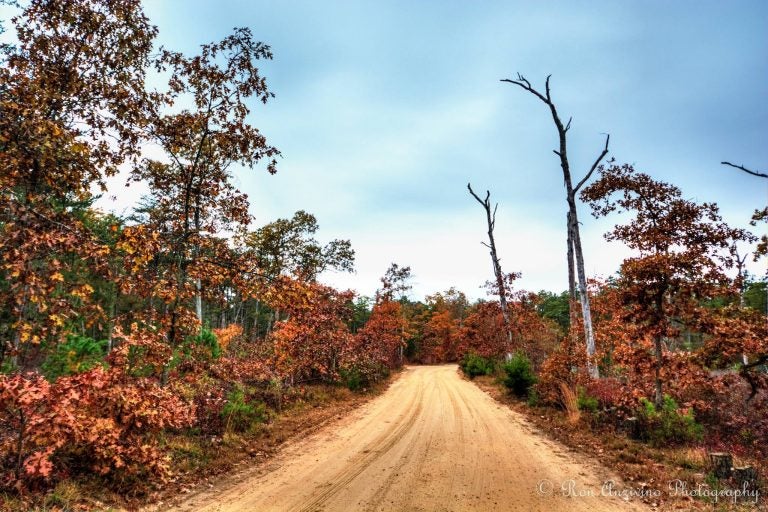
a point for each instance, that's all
(314, 340)
(102, 420)
(379, 343)
(483, 332)
(440, 338)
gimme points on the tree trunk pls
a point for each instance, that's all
(586, 311)
(111, 321)
(745, 477)
(572, 219)
(198, 300)
(571, 271)
(491, 220)
(257, 311)
(659, 395)
(721, 464)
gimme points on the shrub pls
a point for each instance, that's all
(238, 415)
(76, 355)
(473, 365)
(608, 391)
(668, 424)
(353, 378)
(519, 374)
(586, 402)
(100, 420)
(207, 339)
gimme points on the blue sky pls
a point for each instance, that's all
(384, 111)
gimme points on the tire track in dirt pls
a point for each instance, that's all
(418, 454)
(432, 442)
(372, 452)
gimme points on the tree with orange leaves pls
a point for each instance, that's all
(200, 122)
(683, 255)
(71, 99)
(378, 343)
(315, 340)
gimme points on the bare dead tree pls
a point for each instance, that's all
(490, 216)
(574, 238)
(748, 171)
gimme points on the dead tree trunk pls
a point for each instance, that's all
(491, 219)
(571, 271)
(721, 464)
(574, 237)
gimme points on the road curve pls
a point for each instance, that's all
(432, 442)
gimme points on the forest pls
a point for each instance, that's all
(123, 338)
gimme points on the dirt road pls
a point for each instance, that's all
(432, 442)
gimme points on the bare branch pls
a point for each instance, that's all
(741, 167)
(594, 165)
(525, 84)
(469, 187)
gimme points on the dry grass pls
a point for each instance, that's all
(692, 458)
(65, 495)
(571, 403)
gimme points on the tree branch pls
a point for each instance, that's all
(594, 165)
(525, 84)
(741, 167)
(469, 187)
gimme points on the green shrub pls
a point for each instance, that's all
(533, 397)
(239, 415)
(668, 425)
(76, 355)
(473, 365)
(586, 402)
(7, 367)
(519, 374)
(207, 339)
(353, 378)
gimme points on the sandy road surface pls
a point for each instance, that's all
(432, 442)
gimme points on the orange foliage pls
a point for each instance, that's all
(103, 420)
(378, 344)
(225, 335)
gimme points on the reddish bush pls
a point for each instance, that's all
(102, 420)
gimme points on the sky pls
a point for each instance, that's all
(385, 110)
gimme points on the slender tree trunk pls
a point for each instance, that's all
(199, 300)
(16, 343)
(256, 319)
(657, 348)
(572, 219)
(491, 220)
(111, 319)
(571, 271)
(196, 251)
(742, 288)
(586, 311)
